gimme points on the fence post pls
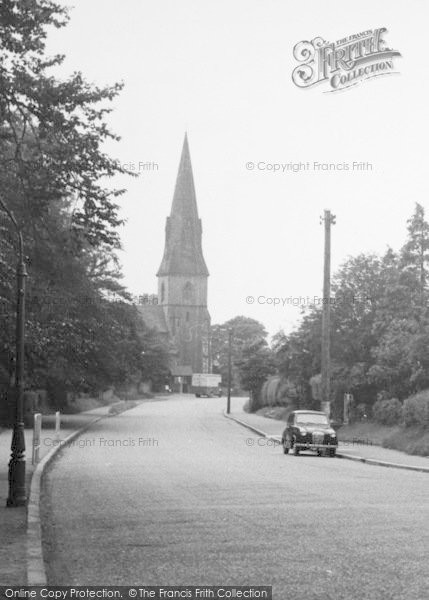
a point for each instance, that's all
(37, 427)
(57, 425)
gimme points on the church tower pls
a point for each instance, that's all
(182, 278)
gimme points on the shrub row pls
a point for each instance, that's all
(413, 412)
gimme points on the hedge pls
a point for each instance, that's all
(388, 412)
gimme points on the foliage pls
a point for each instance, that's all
(379, 326)
(256, 364)
(244, 332)
(416, 410)
(52, 131)
(413, 440)
(297, 356)
(82, 334)
(388, 412)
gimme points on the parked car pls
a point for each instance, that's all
(208, 392)
(309, 430)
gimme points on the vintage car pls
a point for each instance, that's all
(309, 430)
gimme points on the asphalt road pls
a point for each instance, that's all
(172, 493)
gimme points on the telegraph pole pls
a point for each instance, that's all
(329, 220)
(228, 401)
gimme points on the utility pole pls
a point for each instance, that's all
(326, 315)
(228, 401)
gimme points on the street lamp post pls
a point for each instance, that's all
(228, 401)
(17, 492)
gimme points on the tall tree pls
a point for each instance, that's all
(244, 331)
(52, 166)
(256, 364)
(415, 254)
(52, 131)
(298, 355)
(402, 324)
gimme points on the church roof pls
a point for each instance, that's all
(183, 253)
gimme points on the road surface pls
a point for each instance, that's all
(172, 493)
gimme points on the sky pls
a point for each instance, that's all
(222, 71)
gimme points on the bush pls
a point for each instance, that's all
(387, 412)
(416, 410)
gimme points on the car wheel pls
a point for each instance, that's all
(285, 447)
(333, 452)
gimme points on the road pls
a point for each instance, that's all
(172, 493)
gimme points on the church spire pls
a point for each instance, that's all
(184, 199)
(183, 253)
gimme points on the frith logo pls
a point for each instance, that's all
(343, 63)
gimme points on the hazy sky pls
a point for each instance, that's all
(222, 71)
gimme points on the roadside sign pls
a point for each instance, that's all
(206, 379)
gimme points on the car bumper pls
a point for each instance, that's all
(309, 446)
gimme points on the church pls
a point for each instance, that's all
(181, 314)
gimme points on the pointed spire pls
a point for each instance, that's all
(183, 253)
(184, 199)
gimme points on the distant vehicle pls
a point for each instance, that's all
(206, 384)
(309, 430)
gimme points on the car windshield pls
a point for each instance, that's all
(312, 418)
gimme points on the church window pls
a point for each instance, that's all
(188, 292)
(162, 293)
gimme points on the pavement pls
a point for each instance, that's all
(172, 493)
(13, 521)
(353, 448)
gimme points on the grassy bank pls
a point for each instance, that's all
(273, 412)
(373, 433)
(412, 440)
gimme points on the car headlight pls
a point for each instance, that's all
(333, 435)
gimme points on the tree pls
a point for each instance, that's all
(81, 332)
(402, 325)
(298, 355)
(52, 131)
(379, 325)
(244, 331)
(415, 254)
(257, 363)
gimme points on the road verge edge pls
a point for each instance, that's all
(36, 573)
(368, 461)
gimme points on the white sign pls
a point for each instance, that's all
(206, 379)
